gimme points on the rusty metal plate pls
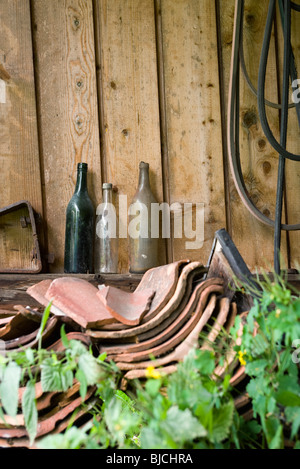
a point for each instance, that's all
(19, 246)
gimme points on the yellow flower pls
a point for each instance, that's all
(241, 357)
(151, 372)
(278, 311)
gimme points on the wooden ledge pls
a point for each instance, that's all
(13, 287)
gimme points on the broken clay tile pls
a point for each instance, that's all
(78, 299)
(172, 304)
(31, 342)
(4, 321)
(39, 290)
(163, 281)
(238, 376)
(191, 285)
(128, 308)
(17, 326)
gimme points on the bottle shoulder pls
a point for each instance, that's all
(144, 196)
(80, 202)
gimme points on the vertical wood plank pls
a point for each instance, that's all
(19, 152)
(130, 99)
(193, 116)
(258, 159)
(292, 168)
(67, 100)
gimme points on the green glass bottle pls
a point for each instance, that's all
(79, 234)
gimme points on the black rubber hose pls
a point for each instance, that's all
(293, 69)
(233, 151)
(283, 132)
(261, 88)
(295, 6)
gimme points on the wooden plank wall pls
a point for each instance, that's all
(115, 82)
(19, 149)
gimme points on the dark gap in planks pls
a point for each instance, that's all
(42, 222)
(163, 122)
(223, 107)
(99, 80)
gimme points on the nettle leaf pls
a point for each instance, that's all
(259, 345)
(288, 393)
(288, 398)
(55, 377)
(152, 439)
(205, 362)
(92, 370)
(293, 416)
(50, 378)
(256, 367)
(66, 376)
(153, 386)
(29, 410)
(77, 347)
(273, 432)
(182, 425)
(126, 401)
(9, 388)
(222, 421)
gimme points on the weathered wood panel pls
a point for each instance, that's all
(19, 152)
(67, 103)
(258, 159)
(193, 119)
(129, 90)
(154, 66)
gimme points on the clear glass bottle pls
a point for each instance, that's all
(143, 243)
(106, 240)
(79, 233)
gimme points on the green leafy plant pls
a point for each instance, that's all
(267, 350)
(188, 409)
(195, 411)
(55, 370)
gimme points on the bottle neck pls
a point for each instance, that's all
(144, 180)
(106, 196)
(81, 183)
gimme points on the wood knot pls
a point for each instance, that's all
(249, 119)
(266, 167)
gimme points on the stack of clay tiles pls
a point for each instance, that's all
(156, 325)
(174, 309)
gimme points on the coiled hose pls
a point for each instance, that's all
(289, 70)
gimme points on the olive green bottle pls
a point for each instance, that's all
(143, 241)
(79, 234)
